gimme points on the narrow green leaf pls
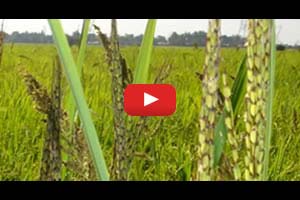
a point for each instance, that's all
(80, 60)
(71, 107)
(220, 139)
(237, 98)
(83, 45)
(272, 69)
(239, 87)
(77, 91)
(143, 61)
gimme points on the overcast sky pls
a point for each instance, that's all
(288, 29)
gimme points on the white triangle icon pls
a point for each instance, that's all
(149, 99)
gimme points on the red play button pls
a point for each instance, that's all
(150, 100)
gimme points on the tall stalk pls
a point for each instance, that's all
(233, 137)
(272, 68)
(119, 163)
(51, 160)
(80, 60)
(258, 50)
(77, 91)
(209, 102)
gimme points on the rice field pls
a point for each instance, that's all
(167, 146)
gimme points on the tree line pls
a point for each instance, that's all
(196, 39)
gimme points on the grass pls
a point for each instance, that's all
(166, 149)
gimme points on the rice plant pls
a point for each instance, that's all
(209, 102)
(77, 91)
(119, 165)
(80, 60)
(51, 106)
(117, 67)
(232, 136)
(258, 86)
(237, 136)
(121, 74)
(259, 51)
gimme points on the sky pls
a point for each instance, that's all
(288, 29)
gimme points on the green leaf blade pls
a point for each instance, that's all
(237, 98)
(83, 45)
(80, 60)
(272, 69)
(143, 61)
(77, 91)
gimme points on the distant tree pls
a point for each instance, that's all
(195, 46)
(232, 41)
(176, 40)
(92, 39)
(160, 40)
(74, 38)
(197, 38)
(138, 39)
(280, 47)
(127, 39)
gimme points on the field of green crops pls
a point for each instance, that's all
(166, 149)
